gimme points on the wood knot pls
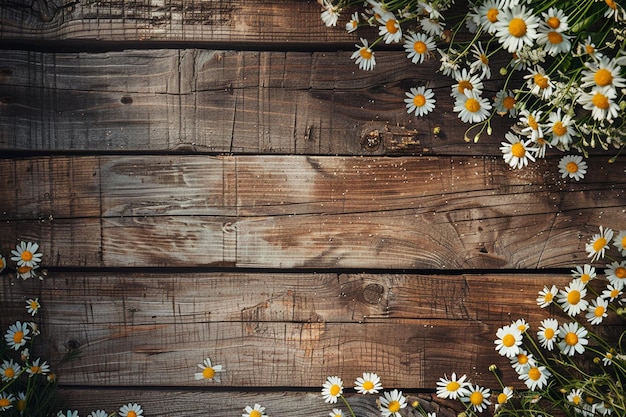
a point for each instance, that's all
(371, 141)
(126, 100)
(372, 293)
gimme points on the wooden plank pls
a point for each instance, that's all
(236, 21)
(211, 101)
(308, 212)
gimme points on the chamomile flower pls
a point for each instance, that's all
(597, 311)
(572, 166)
(488, 13)
(555, 19)
(521, 325)
(575, 397)
(68, 413)
(131, 410)
(25, 254)
(17, 335)
(546, 296)
(611, 293)
(509, 340)
(614, 10)
(390, 29)
(587, 47)
(539, 83)
(522, 361)
(478, 398)
(419, 46)
(516, 27)
(36, 368)
(209, 372)
(432, 26)
(616, 274)
(25, 272)
(332, 388)
(391, 403)
(472, 108)
(33, 306)
(547, 334)
(601, 102)
(532, 127)
(9, 370)
(620, 242)
(584, 273)
(599, 243)
(541, 144)
(420, 100)
(364, 56)
(504, 397)
(330, 15)
(466, 82)
(336, 413)
(353, 23)
(572, 338)
(452, 387)
(555, 42)
(6, 400)
(517, 152)
(505, 103)
(535, 377)
(98, 413)
(256, 411)
(602, 73)
(572, 298)
(562, 129)
(21, 402)
(369, 383)
(480, 65)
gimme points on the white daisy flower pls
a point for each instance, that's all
(611, 293)
(481, 61)
(9, 370)
(390, 29)
(572, 298)
(25, 272)
(585, 273)
(433, 27)
(530, 120)
(336, 413)
(488, 13)
(256, 411)
(587, 47)
(509, 340)
(535, 377)
(597, 311)
(521, 325)
(539, 83)
(391, 403)
(453, 388)
(517, 152)
(209, 372)
(478, 398)
(522, 361)
(555, 42)
(555, 19)
(466, 82)
(616, 274)
(573, 338)
(33, 306)
(620, 242)
(67, 413)
(364, 56)
(6, 400)
(516, 27)
(420, 101)
(25, 254)
(601, 73)
(36, 368)
(472, 108)
(575, 397)
(98, 413)
(599, 243)
(547, 334)
(332, 389)
(546, 296)
(330, 15)
(505, 103)
(601, 102)
(572, 166)
(353, 23)
(131, 410)
(614, 10)
(17, 335)
(419, 46)
(562, 129)
(504, 397)
(369, 383)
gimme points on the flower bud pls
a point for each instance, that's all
(415, 404)
(493, 367)
(503, 71)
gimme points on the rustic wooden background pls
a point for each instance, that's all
(217, 179)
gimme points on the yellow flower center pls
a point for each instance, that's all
(394, 406)
(589, 49)
(571, 339)
(522, 359)
(419, 100)
(35, 369)
(559, 128)
(484, 59)
(555, 38)
(453, 386)
(365, 53)
(465, 85)
(584, 278)
(603, 77)
(599, 244)
(624, 242)
(532, 122)
(576, 400)
(27, 256)
(541, 81)
(334, 390)
(5, 402)
(508, 340)
(21, 405)
(492, 15)
(571, 167)
(502, 397)
(509, 102)
(573, 297)
(599, 311)
(549, 333)
(476, 398)
(34, 305)
(600, 101)
(548, 297)
(392, 26)
(611, 4)
(9, 372)
(420, 47)
(131, 413)
(554, 22)
(472, 105)
(18, 336)
(23, 269)
(368, 385)
(255, 413)
(518, 150)
(620, 272)
(517, 27)
(614, 293)
(208, 373)
(534, 374)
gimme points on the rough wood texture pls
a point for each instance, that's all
(304, 212)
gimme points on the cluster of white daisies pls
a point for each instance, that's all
(569, 57)
(27, 260)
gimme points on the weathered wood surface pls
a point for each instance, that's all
(208, 101)
(277, 330)
(305, 212)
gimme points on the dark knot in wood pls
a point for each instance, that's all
(371, 141)
(372, 293)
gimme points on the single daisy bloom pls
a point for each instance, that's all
(607, 359)
(616, 274)
(68, 413)
(131, 410)
(572, 166)
(332, 388)
(480, 64)
(505, 103)
(336, 413)
(584, 273)
(517, 152)
(597, 311)
(431, 26)
(98, 413)
(391, 403)
(516, 27)
(546, 296)
(531, 122)
(420, 100)
(602, 73)
(572, 298)
(330, 15)
(21, 401)
(33, 306)
(466, 82)
(257, 411)
(25, 254)
(555, 19)
(521, 324)
(9, 370)
(6, 401)
(488, 13)
(561, 128)
(419, 46)
(453, 388)
(599, 243)
(369, 383)
(573, 338)
(620, 242)
(535, 377)
(522, 361)
(539, 83)
(504, 397)
(36, 368)
(364, 56)
(509, 340)
(25, 272)
(353, 23)
(587, 47)
(555, 42)
(17, 335)
(601, 102)
(614, 10)
(611, 293)
(209, 372)
(575, 397)
(472, 108)
(478, 398)
(390, 29)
